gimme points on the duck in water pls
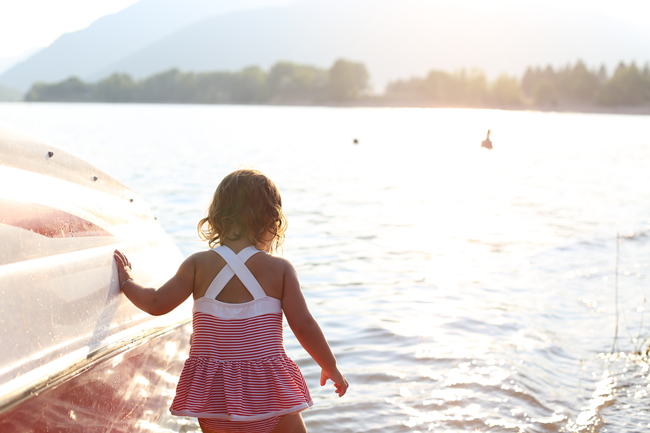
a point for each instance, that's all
(487, 143)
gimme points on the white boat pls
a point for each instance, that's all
(75, 354)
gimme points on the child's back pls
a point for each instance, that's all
(238, 369)
(268, 270)
(238, 377)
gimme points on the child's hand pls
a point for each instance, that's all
(123, 267)
(340, 382)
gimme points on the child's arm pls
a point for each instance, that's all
(308, 333)
(156, 302)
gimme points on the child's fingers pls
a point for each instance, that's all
(340, 382)
(123, 266)
(342, 388)
(118, 260)
(123, 258)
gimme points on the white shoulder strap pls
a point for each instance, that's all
(235, 266)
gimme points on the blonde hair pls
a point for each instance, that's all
(246, 203)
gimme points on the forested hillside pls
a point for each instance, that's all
(572, 84)
(347, 81)
(284, 83)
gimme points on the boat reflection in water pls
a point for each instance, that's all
(75, 355)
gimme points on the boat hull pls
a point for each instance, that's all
(129, 391)
(75, 354)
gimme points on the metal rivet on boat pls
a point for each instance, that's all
(156, 218)
(95, 178)
(50, 154)
(131, 200)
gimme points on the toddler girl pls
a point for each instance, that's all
(238, 377)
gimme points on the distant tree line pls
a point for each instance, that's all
(576, 84)
(347, 81)
(461, 88)
(284, 82)
(628, 85)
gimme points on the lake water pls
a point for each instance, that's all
(461, 289)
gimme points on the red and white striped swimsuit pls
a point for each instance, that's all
(238, 376)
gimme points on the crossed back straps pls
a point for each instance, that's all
(235, 265)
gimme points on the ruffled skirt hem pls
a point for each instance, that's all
(224, 416)
(240, 390)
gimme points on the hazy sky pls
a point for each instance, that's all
(27, 24)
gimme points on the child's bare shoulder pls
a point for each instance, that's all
(277, 262)
(285, 266)
(204, 258)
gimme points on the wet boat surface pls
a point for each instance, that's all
(76, 355)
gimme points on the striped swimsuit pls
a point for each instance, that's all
(238, 377)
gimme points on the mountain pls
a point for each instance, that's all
(116, 36)
(395, 39)
(8, 62)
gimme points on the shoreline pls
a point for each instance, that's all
(559, 108)
(379, 103)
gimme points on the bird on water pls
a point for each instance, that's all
(487, 143)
